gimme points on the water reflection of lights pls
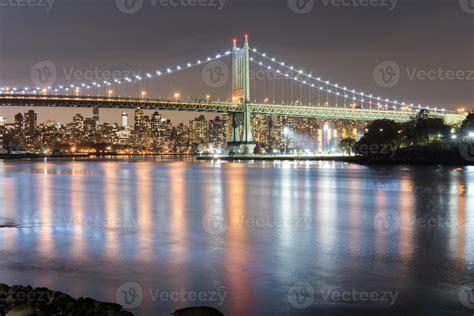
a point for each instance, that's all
(46, 212)
(111, 198)
(78, 199)
(237, 255)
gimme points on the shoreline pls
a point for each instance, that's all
(348, 159)
(85, 156)
(241, 158)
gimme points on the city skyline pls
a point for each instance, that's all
(150, 132)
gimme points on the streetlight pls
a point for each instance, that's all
(177, 95)
(143, 94)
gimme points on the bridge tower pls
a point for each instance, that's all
(241, 93)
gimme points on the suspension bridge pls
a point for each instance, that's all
(302, 95)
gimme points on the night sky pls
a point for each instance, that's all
(343, 44)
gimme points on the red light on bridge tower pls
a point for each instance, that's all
(246, 35)
(234, 40)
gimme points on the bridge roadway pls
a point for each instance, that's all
(335, 113)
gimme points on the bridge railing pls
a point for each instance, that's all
(205, 105)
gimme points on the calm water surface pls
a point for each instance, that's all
(249, 239)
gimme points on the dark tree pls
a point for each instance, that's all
(347, 144)
(424, 129)
(467, 125)
(380, 136)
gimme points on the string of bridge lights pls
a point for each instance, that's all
(118, 81)
(310, 82)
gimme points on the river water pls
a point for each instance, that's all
(281, 238)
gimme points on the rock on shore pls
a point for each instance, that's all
(26, 301)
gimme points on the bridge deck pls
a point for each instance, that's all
(339, 113)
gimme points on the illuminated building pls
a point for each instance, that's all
(124, 120)
(217, 131)
(2, 134)
(30, 120)
(198, 129)
(96, 115)
(139, 120)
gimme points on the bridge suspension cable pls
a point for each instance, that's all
(327, 87)
(117, 81)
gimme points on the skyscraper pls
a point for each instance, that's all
(217, 131)
(2, 133)
(124, 120)
(31, 119)
(78, 122)
(198, 129)
(19, 123)
(96, 115)
(138, 120)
